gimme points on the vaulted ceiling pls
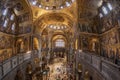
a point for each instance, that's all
(88, 10)
(45, 12)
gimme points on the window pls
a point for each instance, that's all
(67, 4)
(5, 12)
(34, 2)
(101, 15)
(104, 10)
(109, 6)
(51, 26)
(47, 8)
(40, 6)
(12, 17)
(54, 27)
(62, 27)
(61, 7)
(5, 23)
(13, 26)
(60, 43)
(73, 0)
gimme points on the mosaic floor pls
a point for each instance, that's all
(58, 70)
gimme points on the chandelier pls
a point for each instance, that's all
(51, 4)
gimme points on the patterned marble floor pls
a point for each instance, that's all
(58, 69)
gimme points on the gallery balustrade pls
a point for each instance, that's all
(14, 62)
(108, 69)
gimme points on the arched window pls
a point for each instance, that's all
(59, 43)
(13, 26)
(8, 19)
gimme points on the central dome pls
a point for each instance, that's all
(51, 4)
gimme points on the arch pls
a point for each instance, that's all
(56, 37)
(20, 45)
(15, 12)
(59, 43)
(94, 44)
(87, 75)
(80, 67)
(76, 44)
(36, 45)
(52, 18)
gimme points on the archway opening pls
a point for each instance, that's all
(60, 43)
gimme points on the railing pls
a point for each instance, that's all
(110, 70)
(10, 64)
(45, 49)
(59, 50)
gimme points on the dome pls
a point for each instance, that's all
(51, 4)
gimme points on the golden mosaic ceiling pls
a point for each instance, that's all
(43, 17)
(53, 18)
(88, 8)
(51, 4)
(69, 13)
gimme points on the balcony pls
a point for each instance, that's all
(107, 69)
(10, 66)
